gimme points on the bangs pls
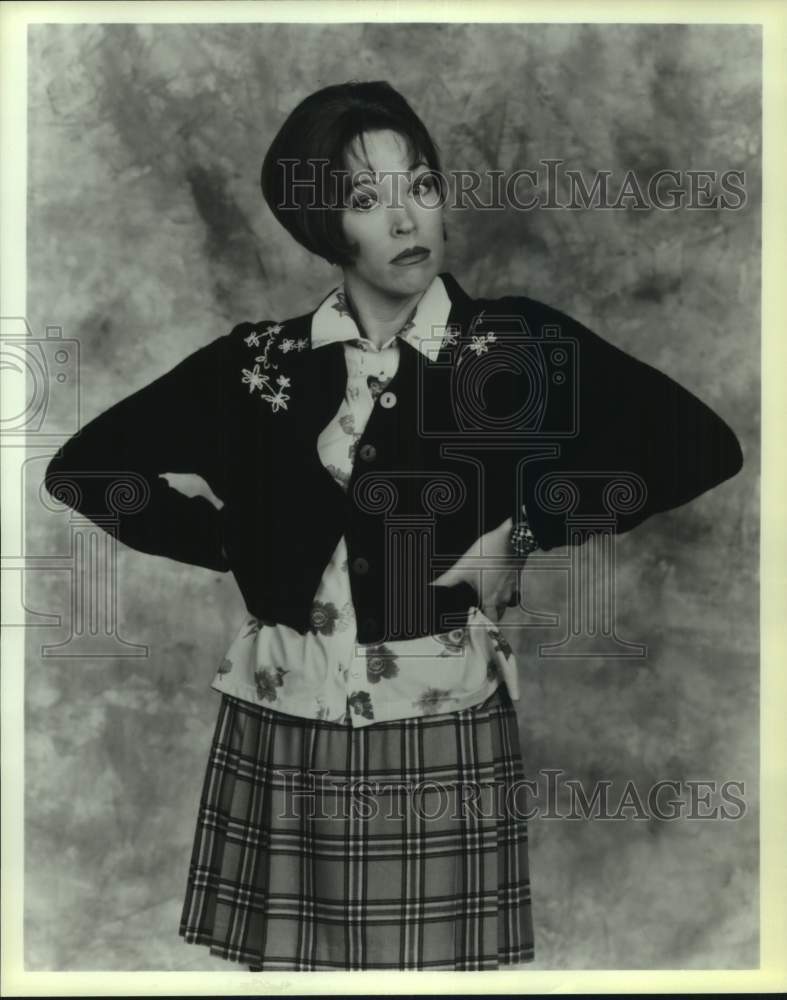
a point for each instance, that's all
(354, 148)
(351, 156)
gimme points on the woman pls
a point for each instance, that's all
(371, 454)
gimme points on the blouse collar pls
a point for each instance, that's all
(424, 329)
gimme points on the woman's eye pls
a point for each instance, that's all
(362, 201)
(424, 185)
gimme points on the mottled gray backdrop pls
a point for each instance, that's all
(148, 238)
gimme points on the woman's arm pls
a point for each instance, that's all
(634, 425)
(110, 471)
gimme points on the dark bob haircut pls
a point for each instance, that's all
(306, 169)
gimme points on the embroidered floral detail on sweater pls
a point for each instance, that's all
(254, 377)
(288, 344)
(451, 336)
(491, 669)
(361, 704)
(479, 343)
(276, 397)
(267, 680)
(432, 700)
(225, 666)
(253, 340)
(380, 662)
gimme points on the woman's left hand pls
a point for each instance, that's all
(497, 588)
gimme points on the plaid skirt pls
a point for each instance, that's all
(399, 845)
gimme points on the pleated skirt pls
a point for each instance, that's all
(398, 845)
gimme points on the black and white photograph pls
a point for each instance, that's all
(387, 579)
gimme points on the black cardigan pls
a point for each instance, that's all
(545, 414)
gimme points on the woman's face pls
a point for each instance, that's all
(396, 209)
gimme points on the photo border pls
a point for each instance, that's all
(772, 974)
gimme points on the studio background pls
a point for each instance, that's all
(148, 237)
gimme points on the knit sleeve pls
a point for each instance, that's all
(611, 441)
(111, 470)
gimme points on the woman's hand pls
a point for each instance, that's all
(496, 588)
(191, 484)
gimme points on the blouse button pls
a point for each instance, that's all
(388, 399)
(368, 453)
(360, 565)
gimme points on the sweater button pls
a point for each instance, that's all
(368, 453)
(388, 399)
(360, 565)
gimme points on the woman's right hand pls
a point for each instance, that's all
(496, 586)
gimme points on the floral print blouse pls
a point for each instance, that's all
(326, 674)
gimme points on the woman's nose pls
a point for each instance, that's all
(402, 220)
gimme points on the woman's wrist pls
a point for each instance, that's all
(522, 539)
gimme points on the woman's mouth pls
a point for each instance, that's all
(414, 255)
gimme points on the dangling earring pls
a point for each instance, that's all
(445, 234)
